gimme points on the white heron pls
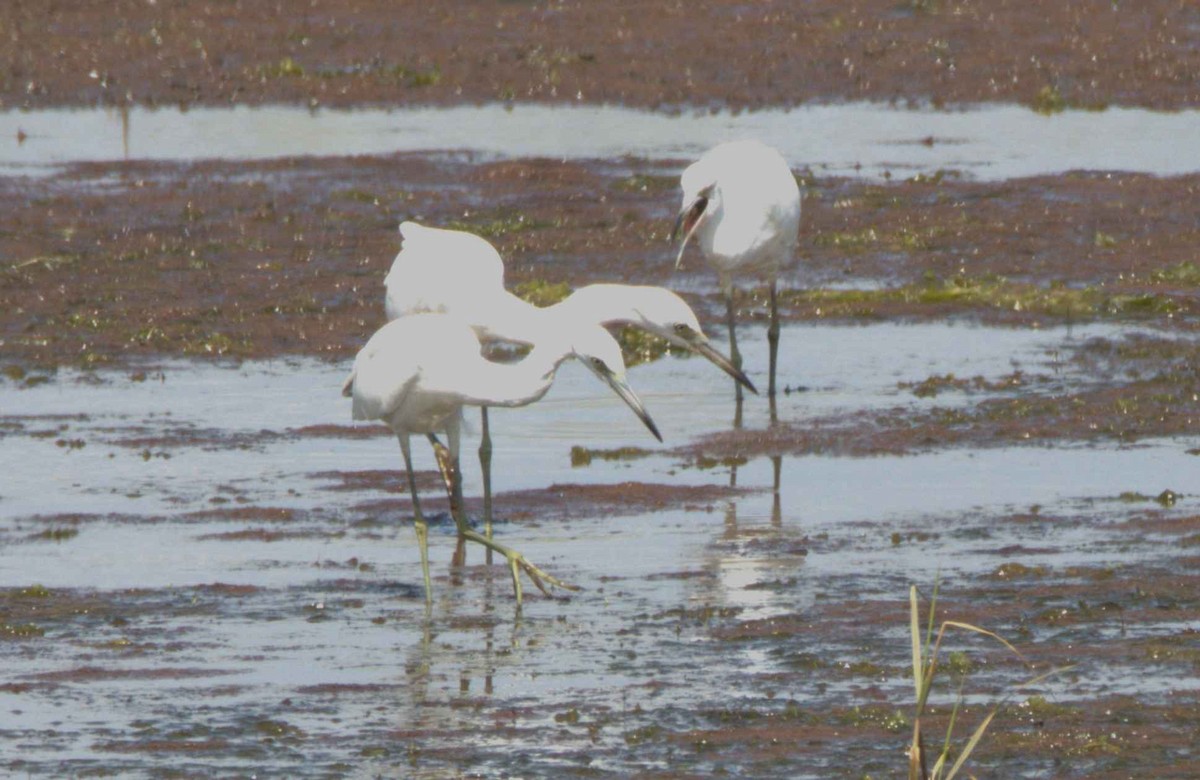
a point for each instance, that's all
(461, 273)
(742, 203)
(416, 374)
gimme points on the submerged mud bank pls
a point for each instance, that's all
(775, 645)
(286, 258)
(249, 596)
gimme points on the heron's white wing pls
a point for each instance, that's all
(420, 354)
(441, 271)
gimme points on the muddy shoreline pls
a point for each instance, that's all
(249, 260)
(265, 260)
(708, 53)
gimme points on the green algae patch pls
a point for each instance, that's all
(57, 534)
(930, 387)
(639, 346)
(872, 716)
(570, 717)
(642, 182)
(1166, 498)
(1041, 708)
(285, 68)
(1186, 273)
(20, 630)
(540, 292)
(583, 456)
(1049, 101)
(13, 372)
(500, 224)
(904, 239)
(1014, 570)
(277, 729)
(706, 463)
(963, 292)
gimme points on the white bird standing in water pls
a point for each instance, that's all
(418, 372)
(742, 203)
(461, 273)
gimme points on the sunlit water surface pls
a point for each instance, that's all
(617, 647)
(989, 142)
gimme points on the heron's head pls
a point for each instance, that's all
(599, 351)
(668, 316)
(701, 199)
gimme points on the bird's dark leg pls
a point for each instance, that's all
(485, 466)
(735, 357)
(773, 344)
(776, 508)
(458, 509)
(418, 519)
(516, 561)
(459, 558)
(448, 468)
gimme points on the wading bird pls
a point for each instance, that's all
(418, 372)
(461, 273)
(742, 203)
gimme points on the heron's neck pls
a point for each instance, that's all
(520, 383)
(512, 319)
(714, 218)
(601, 304)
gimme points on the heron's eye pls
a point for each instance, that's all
(599, 364)
(681, 328)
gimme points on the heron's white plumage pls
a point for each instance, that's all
(462, 274)
(441, 270)
(654, 309)
(445, 295)
(416, 373)
(752, 218)
(742, 203)
(406, 374)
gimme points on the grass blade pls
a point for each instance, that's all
(937, 585)
(941, 762)
(985, 632)
(978, 735)
(915, 627)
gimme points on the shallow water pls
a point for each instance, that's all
(128, 424)
(990, 142)
(313, 658)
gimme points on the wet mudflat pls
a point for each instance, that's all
(990, 380)
(704, 53)
(113, 262)
(219, 577)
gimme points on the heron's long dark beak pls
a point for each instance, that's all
(621, 387)
(679, 223)
(700, 345)
(686, 222)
